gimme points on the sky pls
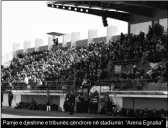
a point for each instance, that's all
(28, 20)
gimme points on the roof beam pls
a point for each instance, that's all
(133, 9)
(110, 14)
(156, 4)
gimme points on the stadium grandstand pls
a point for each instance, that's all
(129, 69)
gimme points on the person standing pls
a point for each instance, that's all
(86, 82)
(94, 102)
(79, 101)
(86, 102)
(71, 102)
(1, 98)
(10, 98)
(48, 102)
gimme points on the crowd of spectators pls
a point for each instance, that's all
(90, 61)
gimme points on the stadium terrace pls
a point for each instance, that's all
(126, 76)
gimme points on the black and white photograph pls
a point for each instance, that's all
(84, 60)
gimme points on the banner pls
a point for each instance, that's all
(84, 122)
(38, 43)
(50, 42)
(75, 36)
(16, 46)
(111, 31)
(102, 89)
(92, 33)
(26, 46)
(66, 39)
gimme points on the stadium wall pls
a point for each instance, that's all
(18, 97)
(41, 99)
(128, 102)
(142, 103)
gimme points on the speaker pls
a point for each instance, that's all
(104, 19)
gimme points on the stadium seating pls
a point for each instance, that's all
(73, 64)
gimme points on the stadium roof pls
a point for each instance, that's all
(55, 34)
(113, 9)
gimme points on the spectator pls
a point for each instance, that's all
(39, 83)
(10, 98)
(146, 113)
(26, 80)
(162, 114)
(32, 105)
(48, 102)
(1, 98)
(154, 114)
(86, 82)
(63, 63)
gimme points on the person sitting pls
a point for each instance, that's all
(128, 113)
(140, 114)
(132, 113)
(107, 105)
(33, 104)
(162, 114)
(146, 113)
(86, 82)
(136, 113)
(154, 114)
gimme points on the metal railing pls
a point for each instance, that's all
(123, 85)
(48, 85)
(137, 84)
(125, 62)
